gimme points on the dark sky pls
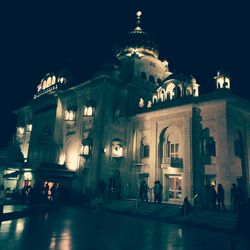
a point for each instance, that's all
(196, 37)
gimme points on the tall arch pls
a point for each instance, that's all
(171, 90)
(170, 153)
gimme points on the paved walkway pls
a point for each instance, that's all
(14, 208)
(213, 220)
(77, 228)
(16, 211)
(163, 212)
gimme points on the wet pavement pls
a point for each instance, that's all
(79, 228)
(14, 208)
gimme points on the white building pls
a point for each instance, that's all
(135, 121)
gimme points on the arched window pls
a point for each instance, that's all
(162, 95)
(39, 87)
(154, 99)
(141, 103)
(49, 81)
(117, 148)
(89, 108)
(88, 111)
(171, 90)
(207, 144)
(179, 91)
(44, 84)
(172, 148)
(188, 91)
(61, 80)
(20, 131)
(53, 81)
(145, 148)
(86, 148)
(70, 114)
(29, 127)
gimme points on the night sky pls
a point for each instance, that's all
(196, 37)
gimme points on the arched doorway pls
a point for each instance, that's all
(171, 164)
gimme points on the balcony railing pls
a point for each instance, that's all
(176, 163)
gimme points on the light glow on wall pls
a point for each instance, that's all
(27, 176)
(71, 161)
(61, 160)
(71, 154)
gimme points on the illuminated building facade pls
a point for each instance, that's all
(133, 121)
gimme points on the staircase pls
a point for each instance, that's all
(214, 219)
(172, 213)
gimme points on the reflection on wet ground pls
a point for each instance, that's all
(78, 228)
(14, 208)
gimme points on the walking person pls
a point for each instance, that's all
(156, 189)
(221, 197)
(186, 207)
(160, 193)
(145, 191)
(213, 197)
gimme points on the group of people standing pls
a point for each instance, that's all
(144, 190)
(215, 200)
(38, 193)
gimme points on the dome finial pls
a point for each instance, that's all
(138, 19)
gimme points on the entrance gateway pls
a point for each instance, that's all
(172, 188)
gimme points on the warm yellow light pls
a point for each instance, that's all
(29, 127)
(27, 176)
(70, 115)
(61, 159)
(117, 151)
(19, 226)
(141, 103)
(20, 130)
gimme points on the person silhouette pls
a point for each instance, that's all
(221, 197)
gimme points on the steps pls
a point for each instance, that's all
(172, 213)
(214, 219)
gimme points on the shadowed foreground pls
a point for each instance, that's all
(77, 228)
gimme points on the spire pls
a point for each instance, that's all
(137, 40)
(138, 21)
